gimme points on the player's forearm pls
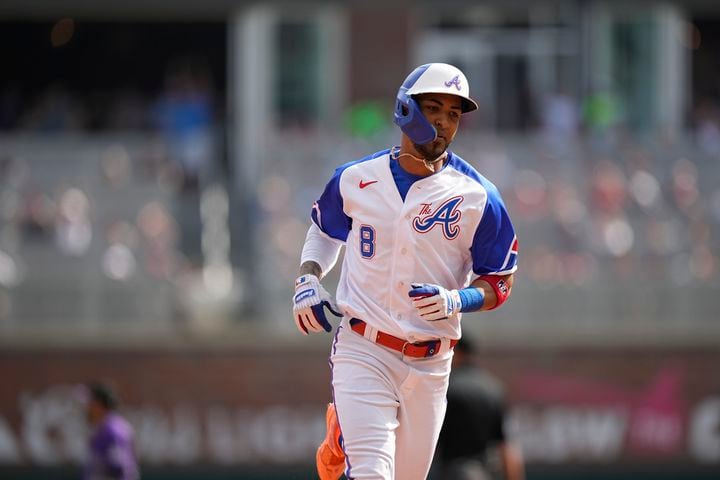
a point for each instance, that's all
(319, 254)
(489, 293)
(310, 268)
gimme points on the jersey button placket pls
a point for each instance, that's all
(396, 268)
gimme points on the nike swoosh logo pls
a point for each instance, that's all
(363, 185)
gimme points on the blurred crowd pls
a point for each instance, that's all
(594, 210)
(632, 221)
(629, 207)
(184, 99)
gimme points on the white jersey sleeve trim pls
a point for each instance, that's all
(510, 253)
(321, 248)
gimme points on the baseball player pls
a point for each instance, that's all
(111, 442)
(427, 238)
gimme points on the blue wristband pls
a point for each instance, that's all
(471, 299)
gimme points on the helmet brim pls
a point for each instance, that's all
(467, 104)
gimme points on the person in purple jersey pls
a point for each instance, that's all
(111, 452)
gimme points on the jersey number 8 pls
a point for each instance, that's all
(367, 241)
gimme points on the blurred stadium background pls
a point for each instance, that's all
(158, 160)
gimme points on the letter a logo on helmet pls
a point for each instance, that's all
(428, 78)
(455, 81)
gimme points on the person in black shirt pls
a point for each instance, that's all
(472, 444)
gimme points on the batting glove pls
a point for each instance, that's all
(434, 302)
(308, 305)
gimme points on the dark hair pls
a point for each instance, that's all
(104, 394)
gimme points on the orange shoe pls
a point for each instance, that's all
(330, 458)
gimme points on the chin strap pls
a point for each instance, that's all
(429, 164)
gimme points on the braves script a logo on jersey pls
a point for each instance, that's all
(455, 81)
(446, 215)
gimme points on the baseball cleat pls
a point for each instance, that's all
(330, 458)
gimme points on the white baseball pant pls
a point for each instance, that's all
(390, 407)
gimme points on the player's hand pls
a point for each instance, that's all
(308, 305)
(434, 302)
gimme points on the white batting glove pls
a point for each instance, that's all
(434, 302)
(308, 305)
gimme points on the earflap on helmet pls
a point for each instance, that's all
(411, 120)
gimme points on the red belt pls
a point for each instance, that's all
(416, 350)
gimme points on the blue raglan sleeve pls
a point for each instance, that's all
(495, 246)
(327, 212)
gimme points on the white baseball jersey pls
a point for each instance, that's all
(451, 227)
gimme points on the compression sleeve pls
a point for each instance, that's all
(320, 248)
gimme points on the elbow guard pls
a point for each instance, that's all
(501, 288)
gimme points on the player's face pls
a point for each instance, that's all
(443, 111)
